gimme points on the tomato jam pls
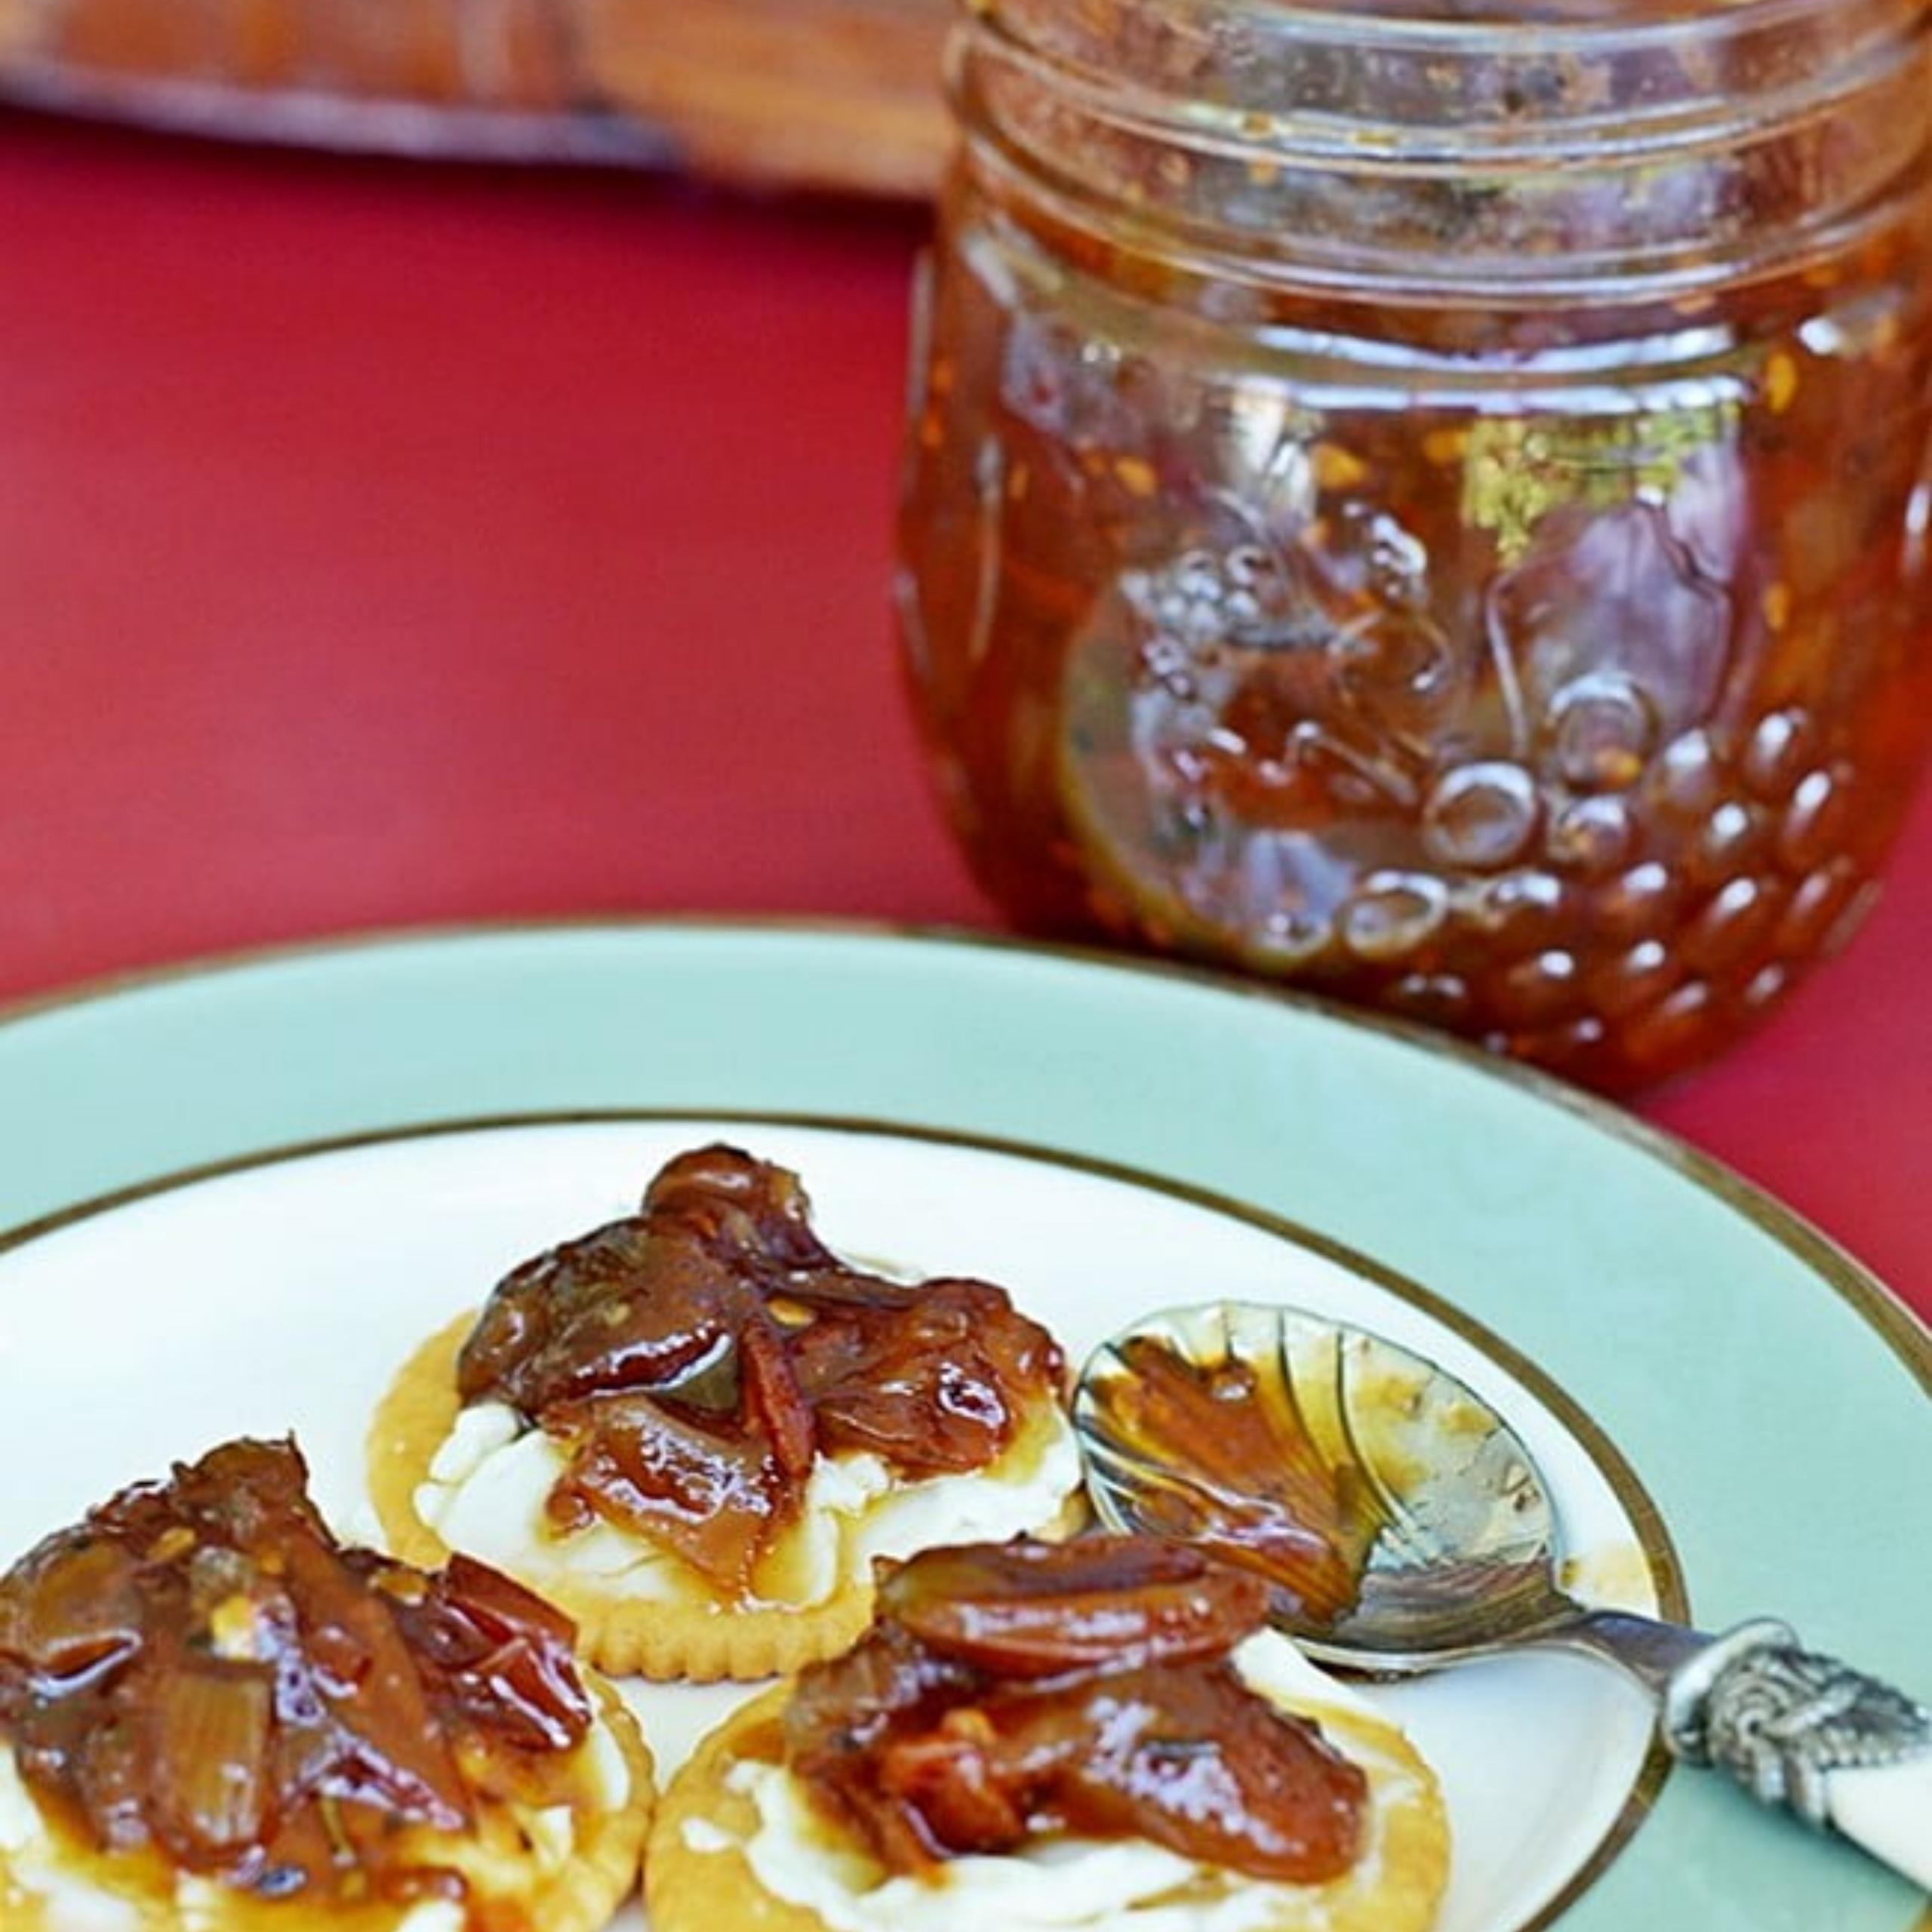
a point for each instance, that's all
(694, 1359)
(1252, 1481)
(200, 1671)
(1431, 502)
(1013, 1692)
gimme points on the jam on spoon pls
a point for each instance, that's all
(1461, 1560)
(1232, 1459)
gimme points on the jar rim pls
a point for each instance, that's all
(1674, 147)
(1738, 57)
(1556, 26)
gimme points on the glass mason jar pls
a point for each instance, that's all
(1432, 503)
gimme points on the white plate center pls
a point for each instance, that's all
(283, 1296)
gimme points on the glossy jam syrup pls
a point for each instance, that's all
(1490, 583)
(198, 1670)
(1011, 1694)
(694, 1359)
(1266, 1487)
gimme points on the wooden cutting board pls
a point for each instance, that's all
(833, 94)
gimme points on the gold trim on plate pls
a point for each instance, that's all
(1660, 1555)
(1889, 1319)
(1895, 1323)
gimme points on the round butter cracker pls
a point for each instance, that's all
(140, 1892)
(697, 1876)
(699, 1640)
(602, 1870)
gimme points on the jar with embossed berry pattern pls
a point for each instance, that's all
(1431, 502)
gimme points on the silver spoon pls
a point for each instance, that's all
(1404, 1526)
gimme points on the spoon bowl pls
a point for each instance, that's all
(1305, 1448)
(1402, 1525)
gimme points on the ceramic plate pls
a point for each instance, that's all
(188, 1305)
(1662, 1330)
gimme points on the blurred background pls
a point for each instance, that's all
(389, 543)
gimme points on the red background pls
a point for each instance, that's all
(382, 545)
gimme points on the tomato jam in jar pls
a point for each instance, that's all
(1431, 502)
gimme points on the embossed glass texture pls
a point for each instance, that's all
(1434, 510)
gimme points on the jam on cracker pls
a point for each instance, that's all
(694, 1359)
(1010, 1693)
(200, 1671)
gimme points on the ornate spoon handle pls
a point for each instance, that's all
(1806, 1731)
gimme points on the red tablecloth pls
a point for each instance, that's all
(384, 545)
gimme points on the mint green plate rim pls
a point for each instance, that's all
(1769, 1394)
